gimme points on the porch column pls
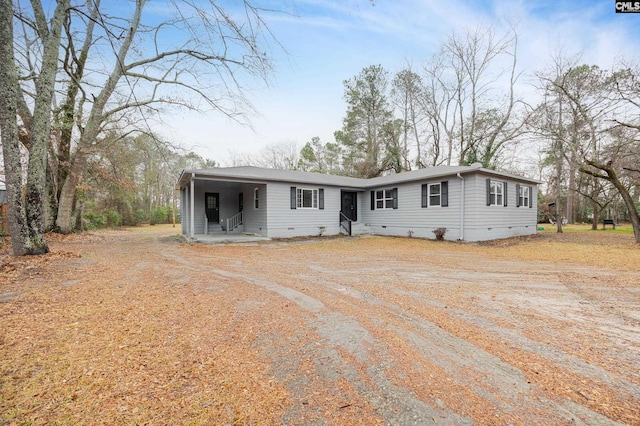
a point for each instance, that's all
(191, 206)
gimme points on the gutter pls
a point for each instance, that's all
(461, 206)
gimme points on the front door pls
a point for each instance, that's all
(212, 206)
(349, 205)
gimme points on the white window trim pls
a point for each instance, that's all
(256, 198)
(494, 193)
(525, 196)
(430, 194)
(387, 195)
(300, 198)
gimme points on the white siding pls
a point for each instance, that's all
(287, 222)
(255, 220)
(484, 222)
(410, 217)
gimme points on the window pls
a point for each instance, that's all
(496, 193)
(435, 194)
(304, 198)
(255, 198)
(524, 196)
(384, 199)
(307, 198)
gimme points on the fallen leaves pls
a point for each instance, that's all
(126, 328)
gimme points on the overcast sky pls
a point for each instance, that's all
(329, 41)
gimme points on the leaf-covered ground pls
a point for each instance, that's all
(136, 327)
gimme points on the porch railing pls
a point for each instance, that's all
(234, 221)
(345, 223)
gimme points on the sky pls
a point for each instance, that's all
(325, 42)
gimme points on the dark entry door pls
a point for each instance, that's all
(349, 205)
(212, 206)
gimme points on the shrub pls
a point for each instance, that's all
(160, 215)
(114, 218)
(93, 220)
(439, 233)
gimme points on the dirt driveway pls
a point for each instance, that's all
(135, 327)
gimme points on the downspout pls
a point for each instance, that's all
(461, 207)
(191, 206)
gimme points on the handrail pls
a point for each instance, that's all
(234, 221)
(344, 219)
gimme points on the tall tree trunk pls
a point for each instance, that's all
(571, 193)
(596, 205)
(559, 209)
(28, 217)
(596, 216)
(9, 93)
(68, 193)
(41, 131)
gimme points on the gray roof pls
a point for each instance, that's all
(264, 175)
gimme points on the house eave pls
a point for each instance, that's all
(255, 175)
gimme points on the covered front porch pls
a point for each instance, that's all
(216, 210)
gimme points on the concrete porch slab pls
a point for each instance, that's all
(227, 238)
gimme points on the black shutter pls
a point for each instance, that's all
(505, 194)
(517, 195)
(425, 195)
(444, 193)
(294, 200)
(321, 198)
(488, 192)
(394, 194)
(373, 200)
(530, 196)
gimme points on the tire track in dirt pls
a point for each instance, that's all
(502, 386)
(397, 405)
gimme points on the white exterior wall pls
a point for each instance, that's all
(255, 220)
(484, 222)
(286, 222)
(410, 217)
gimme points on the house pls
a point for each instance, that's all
(472, 203)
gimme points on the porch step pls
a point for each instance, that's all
(359, 228)
(214, 228)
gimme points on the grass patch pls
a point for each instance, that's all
(623, 228)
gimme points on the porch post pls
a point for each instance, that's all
(191, 206)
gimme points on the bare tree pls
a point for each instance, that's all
(26, 219)
(213, 46)
(195, 59)
(282, 156)
(462, 82)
